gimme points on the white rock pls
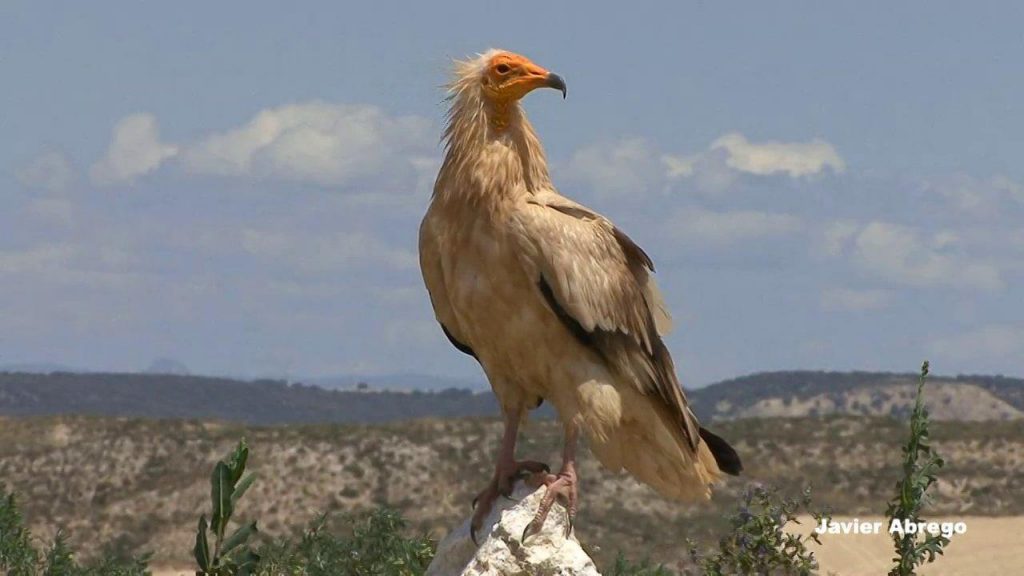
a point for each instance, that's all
(547, 553)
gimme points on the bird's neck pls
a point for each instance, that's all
(494, 145)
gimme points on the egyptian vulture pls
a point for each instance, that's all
(553, 301)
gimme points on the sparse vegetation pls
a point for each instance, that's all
(757, 542)
(624, 567)
(373, 544)
(20, 557)
(853, 463)
(134, 458)
(17, 556)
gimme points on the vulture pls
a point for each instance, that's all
(554, 302)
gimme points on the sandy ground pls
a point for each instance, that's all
(990, 546)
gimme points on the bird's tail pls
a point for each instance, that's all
(653, 452)
(627, 430)
(725, 455)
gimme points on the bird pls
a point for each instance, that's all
(554, 302)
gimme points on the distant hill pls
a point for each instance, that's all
(809, 393)
(39, 368)
(397, 382)
(265, 402)
(252, 402)
(168, 366)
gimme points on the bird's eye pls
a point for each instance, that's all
(502, 68)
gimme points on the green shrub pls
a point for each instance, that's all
(18, 557)
(920, 470)
(757, 542)
(231, 555)
(368, 545)
(624, 567)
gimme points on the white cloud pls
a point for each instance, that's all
(50, 171)
(709, 171)
(622, 168)
(905, 255)
(318, 142)
(134, 151)
(772, 157)
(837, 236)
(988, 198)
(69, 264)
(57, 210)
(724, 228)
(319, 253)
(988, 343)
(632, 165)
(1009, 187)
(38, 258)
(853, 299)
(408, 332)
(679, 166)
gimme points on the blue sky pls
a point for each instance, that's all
(238, 185)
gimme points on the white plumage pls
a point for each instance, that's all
(552, 299)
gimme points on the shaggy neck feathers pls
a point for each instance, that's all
(491, 142)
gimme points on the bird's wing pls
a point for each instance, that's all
(597, 280)
(433, 277)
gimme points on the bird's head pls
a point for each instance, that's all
(486, 90)
(502, 77)
(507, 77)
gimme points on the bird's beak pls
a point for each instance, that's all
(555, 81)
(536, 77)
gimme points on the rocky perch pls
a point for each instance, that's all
(501, 553)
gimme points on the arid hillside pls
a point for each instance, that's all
(141, 484)
(807, 393)
(271, 402)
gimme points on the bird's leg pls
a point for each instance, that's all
(561, 486)
(506, 472)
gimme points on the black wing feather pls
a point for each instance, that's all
(459, 345)
(725, 455)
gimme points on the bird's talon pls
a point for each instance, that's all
(527, 532)
(501, 485)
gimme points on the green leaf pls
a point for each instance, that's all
(239, 537)
(220, 494)
(59, 558)
(201, 551)
(247, 561)
(238, 460)
(241, 487)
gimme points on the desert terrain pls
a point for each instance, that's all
(136, 485)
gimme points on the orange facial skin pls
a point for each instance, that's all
(510, 76)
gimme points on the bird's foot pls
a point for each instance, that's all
(560, 487)
(501, 485)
